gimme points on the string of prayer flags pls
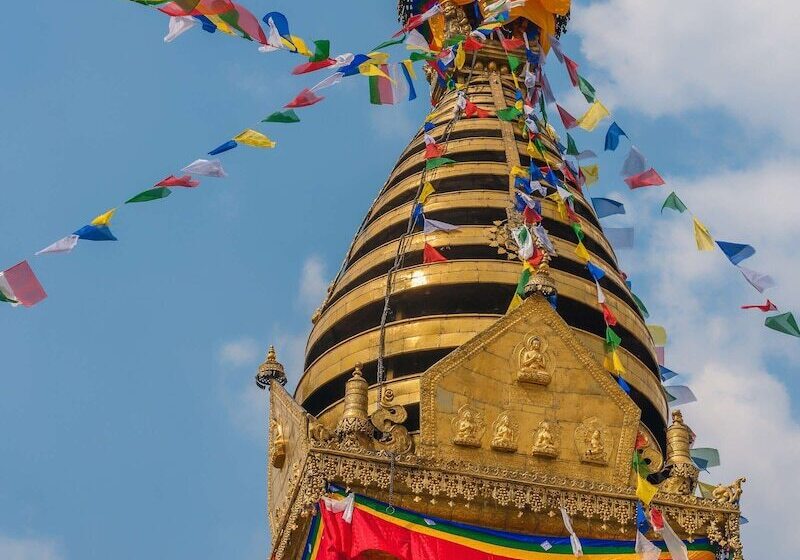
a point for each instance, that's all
(593, 116)
(149, 195)
(758, 280)
(674, 203)
(431, 255)
(288, 116)
(435, 163)
(612, 137)
(566, 118)
(736, 252)
(173, 181)
(63, 245)
(702, 236)
(435, 225)
(206, 167)
(769, 306)
(649, 178)
(678, 395)
(605, 207)
(19, 286)
(305, 98)
(784, 323)
(620, 237)
(590, 173)
(705, 457)
(635, 163)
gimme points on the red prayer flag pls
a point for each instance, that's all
(608, 316)
(660, 355)
(197, 8)
(23, 282)
(649, 178)
(313, 66)
(769, 306)
(433, 151)
(537, 258)
(656, 519)
(472, 110)
(511, 44)
(472, 44)
(305, 98)
(572, 70)
(531, 216)
(431, 255)
(173, 181)
(568, 120)
(641, 441)
(568, 174)
(573, 217)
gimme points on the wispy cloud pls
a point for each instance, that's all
(313, 283)
(239, 352)
(28, 549)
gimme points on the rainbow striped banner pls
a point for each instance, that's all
(410, 536)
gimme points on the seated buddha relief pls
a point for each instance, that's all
(535, 363)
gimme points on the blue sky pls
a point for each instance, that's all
(132, 428)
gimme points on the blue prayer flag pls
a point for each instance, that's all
(551, 178)
(666, 373)
(736, 252)
(612, 136)
(606, 207)
(536, 173)
(95, 233)
(352, 68)
(229, 145)
(523, 184)
(641, 519)
(207, 24)
(624, 384)
(416, 213)
(596, 272)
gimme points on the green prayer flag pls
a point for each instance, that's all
(451, 84)
(640, 305)
(322, 50)
(612, 339)
(417, 56)
(542, 108)
(509, 114)
(578, 229)
(150, 194)
(586, 88)
(674, 203)
(288, 116)
(523, 280)
(706, 490)
(640, 466)
(539, 146)
(513, 63)
(433, 163)
(572, 148)
(784, 323)
(454, 40)
(389, 43)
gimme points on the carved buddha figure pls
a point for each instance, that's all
(590, 437)
(596, 448)
(533, 363)
(505, 434)
(277, 444)
(468, 427)
(544, 441)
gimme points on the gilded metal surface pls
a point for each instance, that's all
(534, 362)
(730, 494)
(683, 472)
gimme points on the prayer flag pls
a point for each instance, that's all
(674, 203)
(769, 306)
(433, 151)
(596, 272)
(605, 207)
(417, 20)
(640, 304)
(250, 137)
(612, 363)
(612, 338)
(524, 240)
(586, 89)
(705, 457)
(702, 237)
(438, 162)
(229, 145)
(601, 296)
(660, 355)
(612, 137)
(427, 190)
(568, 120)
(312, 66)
(581, 251)
(621, 237)
(434, 225)
(665, 373)
(623, 384)
(572, 148)
(511, 44)
(63, 245)
(675, 546)
(556, 46)
(150, 194)
(95, 233)
(756, 279)
(407, 69)
(544, 239)
(547, 91)
(577, 550)
(431, 255)
(784, 323)
(635, 163)
(472, 110)
(208, 168)
(572, 70)
(19, 285)
(645, 549)
(173, 181)
(331, 80)
(509, 114)
(516, 301)
(736, 252)
(641, 518)
(658, 334)
(596, 113)
(591, 174)
(678, 395)
(305, 98)
(649, 178)
(380, 87)
(585, 154)
(178, 25)
(288, 116)
(103, 219)
(609, 317)
(706, 490)
(644, 490)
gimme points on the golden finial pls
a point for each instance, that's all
(540, 281)
(271, 370)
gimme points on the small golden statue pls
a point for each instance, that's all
(469, 427)
(505, 434)
(534, 362)
(729, 494)
(277, 444)
(544, 441)
(590, 437)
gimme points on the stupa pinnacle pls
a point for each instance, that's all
(422, 391)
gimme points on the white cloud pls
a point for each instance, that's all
(313, 283)
(28, 549)
(240, 352)
(671, 56)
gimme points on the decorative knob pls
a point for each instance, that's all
(271, 370)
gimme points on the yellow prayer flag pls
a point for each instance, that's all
(251, 137)
(369, 69)
(581, 251)
(703, 238)
(221, 25)
(410, 68)
(659, 334)
(596, 113)
(378, 57)
(103, 219)
(461, 57)
(427, 190)
(591, 173)
(517, 171)
(644, 490)
(516, 301)
(298, 45)
(561, 206)
(532, 150)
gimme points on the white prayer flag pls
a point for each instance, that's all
(577, 549)
(63, 245)
(206, 167)
(676, 547)
(645, 549)
(178, 25)
(756, 279)
(435, 225)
